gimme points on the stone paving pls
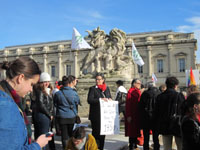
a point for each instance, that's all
(112, 142)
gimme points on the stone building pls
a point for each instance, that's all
(165, 53)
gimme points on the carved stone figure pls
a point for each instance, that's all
(109, 54)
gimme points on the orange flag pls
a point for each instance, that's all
(191, 80)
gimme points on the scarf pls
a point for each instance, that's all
(81, 145)
(17, 100)
(102, 87)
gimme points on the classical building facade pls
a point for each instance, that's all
(165, 53)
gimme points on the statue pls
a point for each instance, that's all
(109, 54)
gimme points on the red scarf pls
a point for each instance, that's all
(102, 87)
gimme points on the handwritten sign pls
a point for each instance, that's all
(109, 117)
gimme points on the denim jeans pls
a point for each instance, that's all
(41, 125)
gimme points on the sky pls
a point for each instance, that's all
(36, 21)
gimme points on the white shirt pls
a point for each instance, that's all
(54, 91)
(120, 89)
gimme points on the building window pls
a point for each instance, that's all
(68, 70)
(85, 71)
(160, 65)
(182, 65)
(53, 71)
(140, 69)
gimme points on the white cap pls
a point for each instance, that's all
(45, 77)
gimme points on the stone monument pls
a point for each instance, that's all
(111, 55)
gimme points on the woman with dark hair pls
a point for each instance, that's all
(100, 90)
(190, 125)
(81, 141)
(66, 101)
(21, 75)
(43, 114)
(132, 126)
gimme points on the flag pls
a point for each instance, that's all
(154, 79)
(136, 56)
(191, 79)
(78, 41)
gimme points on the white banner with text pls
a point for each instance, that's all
(109, 117)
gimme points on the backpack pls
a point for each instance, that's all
(149, 105)
(121, 97)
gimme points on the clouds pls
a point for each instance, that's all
(86, 17)
(194, 26)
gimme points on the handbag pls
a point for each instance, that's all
(77, 118)
(175, 121)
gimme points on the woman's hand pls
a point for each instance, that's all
(110, 99)
(105, 99)
(42, 140)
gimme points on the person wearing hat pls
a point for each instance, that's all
(43, 114)
(81, 141)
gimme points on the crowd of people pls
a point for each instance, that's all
(146, 110)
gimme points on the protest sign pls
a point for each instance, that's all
(109, 117)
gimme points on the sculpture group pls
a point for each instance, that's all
(109, 54)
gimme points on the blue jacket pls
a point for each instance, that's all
(13, 132)
(61, 104)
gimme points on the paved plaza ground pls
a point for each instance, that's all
(112, 142)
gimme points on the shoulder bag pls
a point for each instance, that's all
(77, 119)
(174, 124)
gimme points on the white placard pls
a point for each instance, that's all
(109, 117)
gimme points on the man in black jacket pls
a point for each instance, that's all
(167, 104)
(146, 105)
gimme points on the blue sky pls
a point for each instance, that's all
(33, 21)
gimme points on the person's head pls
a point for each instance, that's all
(22, 74)
(44, 80)
(162, 88)
(191, 106)
(78, 135)
(184, 94)
(119, 83)
(172, 82)
(56, 84)
(136, 83)
(150, 84)
(100, 79)
(59, 83)
(70, 81)
(192, 89)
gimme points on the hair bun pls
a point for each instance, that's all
(5, 65)
(64, 78)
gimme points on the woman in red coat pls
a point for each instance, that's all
(132, 126)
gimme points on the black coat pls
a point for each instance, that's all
(93, 99)
(190, 134)
(165, 107)
(147, 105)
(44, 104)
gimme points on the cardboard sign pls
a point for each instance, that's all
(109, 117)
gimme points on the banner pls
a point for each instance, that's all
(154, 79)
(196, 76)
(136, 56)
(109, 117)
(78, 41)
